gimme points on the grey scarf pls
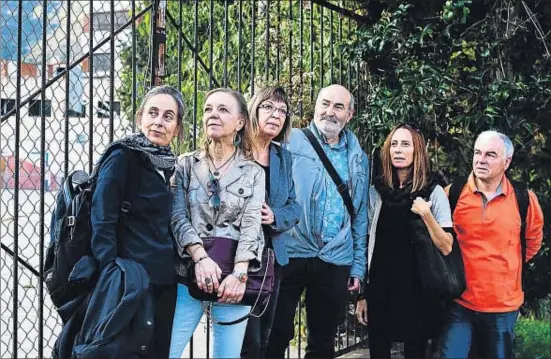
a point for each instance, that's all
(161, 157)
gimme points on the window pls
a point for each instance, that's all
(6, 105)
(102, 63)
(102, 20)
(104, 106)
(59, 70)
(35, 108)
(73, 113)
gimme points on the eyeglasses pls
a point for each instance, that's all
(214, 189)
(268, 107)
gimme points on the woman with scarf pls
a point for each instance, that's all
(144, 234)
(404, 197)
(218, 195)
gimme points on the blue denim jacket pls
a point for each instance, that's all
(282, 201)
(348, 247)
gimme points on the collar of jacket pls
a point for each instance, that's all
(275, 158)
(201, 169)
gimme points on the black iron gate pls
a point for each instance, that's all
(71, 75)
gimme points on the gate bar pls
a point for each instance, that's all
(191, 47)
(23, 262)
(17, 109)
(42, 187)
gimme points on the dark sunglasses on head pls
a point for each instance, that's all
(214, 189)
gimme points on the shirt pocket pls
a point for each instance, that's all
(195, 193)
(236, 195)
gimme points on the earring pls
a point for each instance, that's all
(236, 139)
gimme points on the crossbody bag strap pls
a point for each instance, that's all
(342, 188)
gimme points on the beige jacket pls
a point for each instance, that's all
(242, 191)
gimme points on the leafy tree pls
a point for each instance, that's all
(299, 71)
(459, 67)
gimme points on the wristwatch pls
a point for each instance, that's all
(242, 276)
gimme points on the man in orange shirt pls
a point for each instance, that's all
(487, 222)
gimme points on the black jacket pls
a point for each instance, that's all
(118, 322)
(145, 233)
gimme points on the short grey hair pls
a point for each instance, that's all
(508, 148)
(352, 102)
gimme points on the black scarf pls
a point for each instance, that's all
(161, 157)
(401, 199)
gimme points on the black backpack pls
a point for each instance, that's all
(71, 229)
(523, 200)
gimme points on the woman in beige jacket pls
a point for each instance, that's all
(218, 192)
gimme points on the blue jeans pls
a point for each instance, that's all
(227, 338)
(492, 332)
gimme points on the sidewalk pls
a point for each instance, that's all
(396, 352)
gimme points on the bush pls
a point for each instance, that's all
(532, 339)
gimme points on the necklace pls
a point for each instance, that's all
(216, 172)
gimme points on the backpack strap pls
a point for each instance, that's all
(456, 188)
(133, 175)
(523, 201)
(133, 179)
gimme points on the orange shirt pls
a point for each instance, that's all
(489, 237)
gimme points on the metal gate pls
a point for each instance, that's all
(72, 73)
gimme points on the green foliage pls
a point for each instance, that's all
(249, 62)
(455, 69)
(532, 339)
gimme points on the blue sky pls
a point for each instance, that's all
(31, 27)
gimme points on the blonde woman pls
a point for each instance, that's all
(218, 192)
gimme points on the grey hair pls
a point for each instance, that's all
(164, 90)
(352, 102)
(508, 148)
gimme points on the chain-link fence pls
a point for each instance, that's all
(71, 75)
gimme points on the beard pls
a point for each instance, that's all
(329, 128)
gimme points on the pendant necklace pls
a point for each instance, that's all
(216, 172)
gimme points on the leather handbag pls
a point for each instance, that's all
(260, 283)
(442, 276)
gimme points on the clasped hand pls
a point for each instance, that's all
(208, 275)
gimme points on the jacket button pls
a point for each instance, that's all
(148, 323)
(241, 191)
(209, 227)
(143, 348)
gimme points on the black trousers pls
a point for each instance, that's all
(379, 347)
(326, 293)
(259, 329)
(164, 297)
